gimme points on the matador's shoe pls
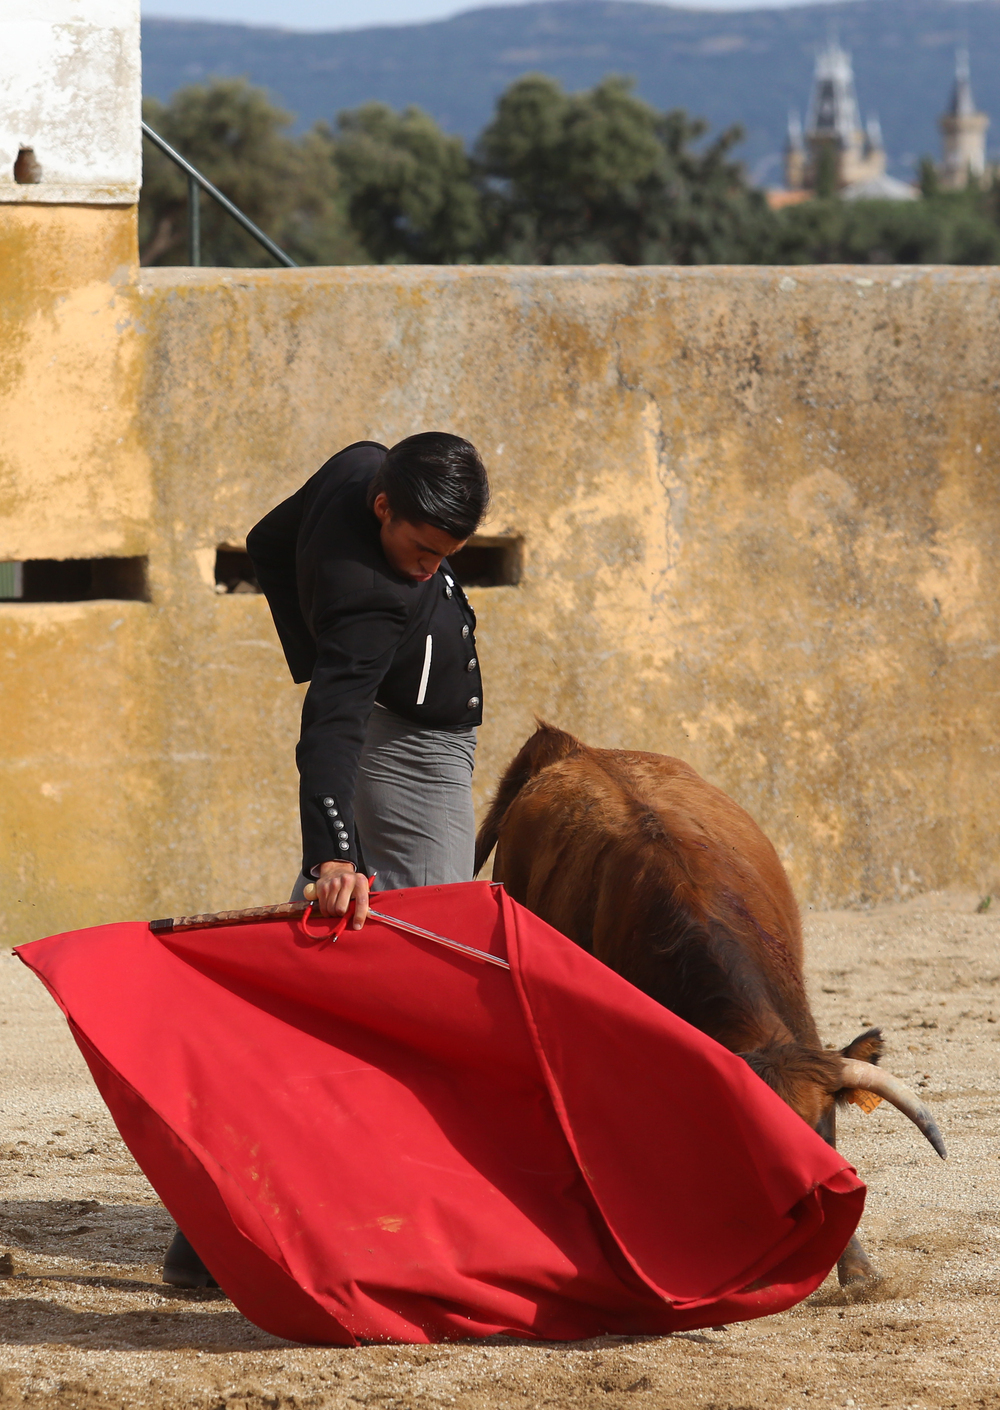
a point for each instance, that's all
(182, 1268)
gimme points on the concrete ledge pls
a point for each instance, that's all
(54, 193)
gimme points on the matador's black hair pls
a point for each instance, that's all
(434, 478)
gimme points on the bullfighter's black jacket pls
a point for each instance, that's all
(358, 632)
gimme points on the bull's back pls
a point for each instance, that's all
(583, 839)
(698, 811)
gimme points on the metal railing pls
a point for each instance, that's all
(196, 180)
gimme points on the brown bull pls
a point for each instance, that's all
(664, 878)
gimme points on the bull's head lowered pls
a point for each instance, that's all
(813, 1081)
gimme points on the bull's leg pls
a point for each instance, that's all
(853, 1265)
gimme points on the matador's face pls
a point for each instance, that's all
(414, 550)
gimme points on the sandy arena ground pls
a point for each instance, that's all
(85, 1321)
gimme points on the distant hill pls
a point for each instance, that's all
(747, 66)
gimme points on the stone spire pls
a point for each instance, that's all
(834, 133)
(964, 132)
(961, 95)
(833, 109)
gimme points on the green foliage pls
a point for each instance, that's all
(928, 181)
(988, 200)
(826, 172)
(408, 185)
(556, 178)
(570, 174)
(316, 228)
(579, 178)
(951, 228)
(235, 136)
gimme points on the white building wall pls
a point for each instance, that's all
(70, 89)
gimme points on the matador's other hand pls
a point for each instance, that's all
(337, 885)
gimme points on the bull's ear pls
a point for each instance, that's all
(866, 1047)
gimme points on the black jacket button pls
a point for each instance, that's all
(472, 665)
(465, 633)
(472, 702)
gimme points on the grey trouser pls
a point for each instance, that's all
(413, 804)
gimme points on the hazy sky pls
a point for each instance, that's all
(356, 14)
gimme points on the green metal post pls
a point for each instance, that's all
(194, 221)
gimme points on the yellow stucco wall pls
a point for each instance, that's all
(78, 734)
(760, 512)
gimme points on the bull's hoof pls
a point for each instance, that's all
(854, 1268)
(856, 1279)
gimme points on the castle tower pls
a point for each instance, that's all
(834, 135)
(964, 132)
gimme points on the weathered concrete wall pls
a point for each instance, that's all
(74, 475)
(760, 511)
(70, 91)
(77, 745)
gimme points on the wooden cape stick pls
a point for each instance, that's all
(294, 910)
(290, 910)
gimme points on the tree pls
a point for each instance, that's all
(317, 228)
(951, 228)
(710, 215)
(235, 136)
(409, 187)
(602, 176)
(929, 181)
(826, 172)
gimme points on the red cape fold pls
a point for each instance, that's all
(380, 1139)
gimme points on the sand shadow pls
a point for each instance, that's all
(32, 1321)
(87, 1230)
(129, 1285)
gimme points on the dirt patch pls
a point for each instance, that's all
(85, 1321)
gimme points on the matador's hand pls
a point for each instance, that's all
(337, 885)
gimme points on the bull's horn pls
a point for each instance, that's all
(873, 1079)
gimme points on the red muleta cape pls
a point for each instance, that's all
(380, 1139)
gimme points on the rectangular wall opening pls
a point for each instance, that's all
(489, 562)
(75, 579)
(234, 570)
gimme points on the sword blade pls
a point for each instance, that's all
(450, 944)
